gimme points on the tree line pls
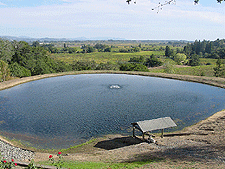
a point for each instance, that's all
(206, 49)
(19, 59)
(192, 52)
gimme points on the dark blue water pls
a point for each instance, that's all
(63, 111)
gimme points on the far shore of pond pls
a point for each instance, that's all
(213, 81)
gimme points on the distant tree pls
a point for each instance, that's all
(6, 50)
(136, 49)
(71, 50)
(197, 47)
(168, 51)
(87, 49)
(107, 66)
(152, 61)
(52, 49)
(180, 58)
(218, 70)
(84, 65)
(100, 47)
(19, 71)
(35, 59)
(90, 49)
(133, 67)
(209, 48)
(108, 49)
(187, 49)
(221, 53)
(194, 60)
(169, 67)
(36, 44)
(141, 59)
(4, 71)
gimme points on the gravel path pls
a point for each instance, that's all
(10, 152)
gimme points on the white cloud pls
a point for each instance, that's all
(92, 18)
(2, 4)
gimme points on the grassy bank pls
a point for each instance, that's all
(103, 165)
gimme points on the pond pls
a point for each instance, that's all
(64, 111)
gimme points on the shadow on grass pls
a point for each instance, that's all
(118, 143)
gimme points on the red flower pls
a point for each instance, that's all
(50, 156)
(12, 160)
(15, 164)
(59, 153)
(5, 161)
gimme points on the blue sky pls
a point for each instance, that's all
(113, 18)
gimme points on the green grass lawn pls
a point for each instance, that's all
(102, 165)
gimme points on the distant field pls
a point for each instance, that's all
(104, 57)
(206, 68)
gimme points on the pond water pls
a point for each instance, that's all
(68, 110)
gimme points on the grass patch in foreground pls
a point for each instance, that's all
(102, 165)
(72, 149)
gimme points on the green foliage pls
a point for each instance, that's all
(59, 163)
(141, 59)
(194, 61)
(130, 50)
(22, 59)
(169, 67)
(218, 70)
(35, 44)
(25, 60)
(102, 48)
(4, 164)
(4, 71)
(168, 51)
(108, 49)
(180, 58)
(94, 165)
(84, 65)
(35, 59)
(209, 49)
(87, 49)
(153, 61)
(19, 71)
(133, 67)
(107, 66)
(6, 50)
(31, 165)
